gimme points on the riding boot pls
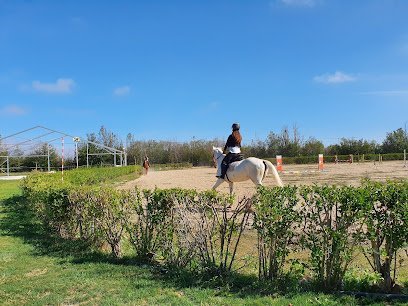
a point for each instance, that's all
(224, 168)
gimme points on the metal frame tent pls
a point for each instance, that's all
(42, 139)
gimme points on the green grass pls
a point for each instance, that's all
(9, 189)
(36, 269)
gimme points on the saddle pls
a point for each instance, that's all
(237, 157)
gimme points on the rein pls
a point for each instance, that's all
(221, 155)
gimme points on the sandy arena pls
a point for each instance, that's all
(202, 178)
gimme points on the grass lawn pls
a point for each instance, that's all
(37, 270)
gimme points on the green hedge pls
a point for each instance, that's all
(331, 158)
(83, 176)
(187, 229)
(175, 166)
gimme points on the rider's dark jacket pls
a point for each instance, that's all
(233, 144)
(233, 149)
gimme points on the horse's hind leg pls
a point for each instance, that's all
(231, 187)
(257, 181)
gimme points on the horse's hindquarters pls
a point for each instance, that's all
(241, 170)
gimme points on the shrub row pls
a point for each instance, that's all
(82, 176)
(331, 158)
(197, 230)
(173, 166)
(331, 223)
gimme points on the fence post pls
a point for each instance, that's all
(321, 162)
(62, 158)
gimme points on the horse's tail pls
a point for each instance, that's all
(275, 173)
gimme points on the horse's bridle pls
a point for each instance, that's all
(214, 159)
(217, 157)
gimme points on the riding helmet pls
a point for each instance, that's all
(235, 126)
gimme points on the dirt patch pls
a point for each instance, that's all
(203, 178)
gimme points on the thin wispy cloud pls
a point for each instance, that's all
(61, 86)
(75, 111)
(78, 21)
(404, 48)
(121, 91)
(299, 3)
(208, 108)
(13, 110)
(393, 93)
(213, 106)
(337, 78)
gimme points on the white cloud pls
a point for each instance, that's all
(61, 86)
(299, 3)
(13, 110)
(336, 78)
(121, 91)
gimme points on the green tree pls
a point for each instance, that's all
(41, 162)
(353, 146)
(395, 142)
(103, 137)
(312, 147)
(3, 150)
(285, 143)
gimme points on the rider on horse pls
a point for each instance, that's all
(232, 148)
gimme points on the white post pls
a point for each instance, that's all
(62, 158)
(87, 154)
(76, 154)
(48, 158)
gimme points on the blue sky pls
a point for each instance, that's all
(174, 70)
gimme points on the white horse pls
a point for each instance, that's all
(251, 168)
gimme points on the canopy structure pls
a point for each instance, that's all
(23, 143)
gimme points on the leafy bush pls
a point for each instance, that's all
(332, 219)
(49, 201)
(220, 232)
(184, 228)
(151, 221)
(386, 226)
(275, 221)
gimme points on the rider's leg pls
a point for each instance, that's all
(224, 168)
(224, 165)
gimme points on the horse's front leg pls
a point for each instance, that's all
(217, 183)
(231, 186)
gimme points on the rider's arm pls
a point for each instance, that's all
(230, 143)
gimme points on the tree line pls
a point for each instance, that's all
(288, 143)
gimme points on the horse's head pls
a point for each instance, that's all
(217, 153)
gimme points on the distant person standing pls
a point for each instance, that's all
(146, 164)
